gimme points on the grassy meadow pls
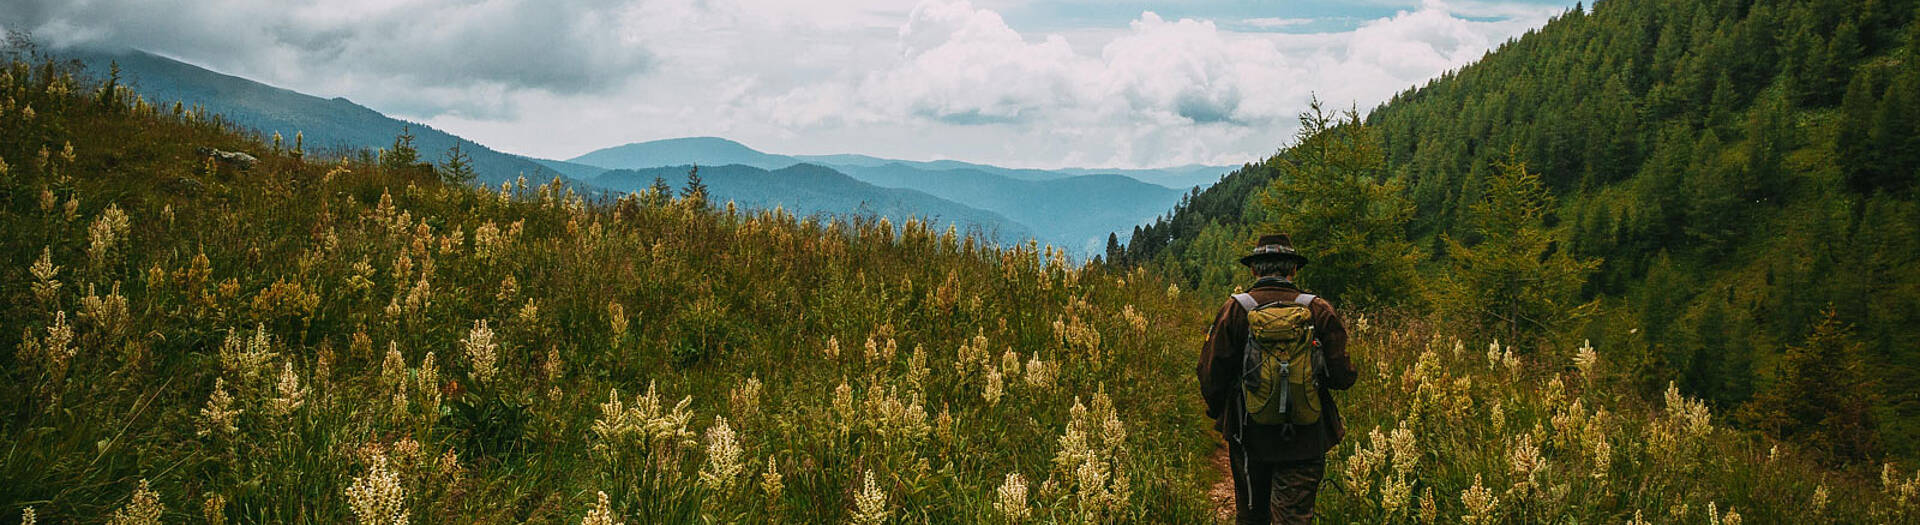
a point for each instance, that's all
(356, 341)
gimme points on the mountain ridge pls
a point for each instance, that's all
(331, 126)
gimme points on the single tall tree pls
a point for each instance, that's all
(1515, 280)
(457, 167)
(1820, 395)
(1332, 195)
(401, 155)
(696, 191)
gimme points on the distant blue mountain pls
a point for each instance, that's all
(330, 126)
(1073, 208)
(807, 189)
(1074, 212)
(1179, 177)
(705, 151)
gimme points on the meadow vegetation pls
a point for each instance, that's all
(355, 341)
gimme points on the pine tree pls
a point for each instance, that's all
(1820, 395)
(401, 155)
(696, 191)
(1516, 280)
(1115, 255)
(1895, 136)
(1850, 145)
(659, 194)
(457, 167)
(1334, 198)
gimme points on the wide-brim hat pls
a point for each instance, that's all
(1275, 246)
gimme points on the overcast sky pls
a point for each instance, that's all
(1049, 83)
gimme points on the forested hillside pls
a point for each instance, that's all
(1717, 175)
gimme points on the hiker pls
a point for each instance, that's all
(1270, 399)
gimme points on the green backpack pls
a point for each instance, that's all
(1280, 374)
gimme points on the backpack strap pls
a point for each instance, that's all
(1246, 301)
(1305, 299)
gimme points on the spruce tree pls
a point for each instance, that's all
(1516, 280)
(1334, 198)
(401, 155)
(696, 191)
(1820, 396)
(457, 167)
(659, 194)
(1850, 143)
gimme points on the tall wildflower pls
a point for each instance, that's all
(843, 406)
(917, 371)
(144, 509)
(723, 465)
(426, 381)
(1011, 498)
(601, 513)
(377, 497)
(993, 388)
(1585, 358)
(1481, 504)
(1134, 319)
(45, 286)
(555, 370)
(482, 352)
(647, 424)
(1527, 464)
(744, 400)
(1010, 363)
(393, 376)
(108, 314)
(617, 319)
(106, 230)
(288, 394)
(1040, 373)
(219, 415)
(1395, 490)
(869, 502)
(832, 348)
(245, 356)
(27, 517)
(214, 508)
(1906, 494)
(55, 348)
(771, 482)
(890, 416)
(1092, 457)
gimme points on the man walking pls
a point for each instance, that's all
(1270, 399)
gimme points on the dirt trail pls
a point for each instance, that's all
(1222, 491)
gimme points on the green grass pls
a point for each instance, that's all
(356, 274)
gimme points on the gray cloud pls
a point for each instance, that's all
(481, 49)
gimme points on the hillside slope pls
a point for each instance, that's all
(331, 127)
(330, 343)
(1736, 167)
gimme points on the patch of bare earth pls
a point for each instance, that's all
(1222, 491)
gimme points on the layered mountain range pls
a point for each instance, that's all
(1073, 208)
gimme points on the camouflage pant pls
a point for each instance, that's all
(1274, 492)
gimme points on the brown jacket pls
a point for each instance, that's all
(1219, 372)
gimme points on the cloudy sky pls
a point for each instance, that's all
(1047, 83)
